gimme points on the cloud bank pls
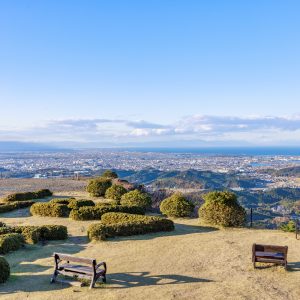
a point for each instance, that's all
(263, 130)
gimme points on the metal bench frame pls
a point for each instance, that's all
(87, 268)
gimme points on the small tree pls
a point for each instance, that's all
(176, 206)
(137, 198)
(115, 192)
(97, 187)
(109, 174)
(222, 208)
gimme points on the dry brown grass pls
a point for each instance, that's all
(193, 262)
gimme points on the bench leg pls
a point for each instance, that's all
(53, 278)
(93, 281)
(104, 279)
(254, 265)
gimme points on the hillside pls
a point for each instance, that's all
(193, 262)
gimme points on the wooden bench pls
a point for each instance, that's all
(269, 254)
(85, 268)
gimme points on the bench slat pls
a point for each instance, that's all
(67, 257)
(269, 254)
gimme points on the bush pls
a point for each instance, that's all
(5, 230)
(176, 206)
(109, 174)
(222, 208)
(2, 224)
(28, 195)
(4, 270)
(75, 204)
(10, 242)
(120, 224)
(6, 207)
(289, 227)
(137, 198)
(97, 187)
(95, 212)
(54, 232)
(49, 209)
(61, 200)
(115, 192)
(31, 234)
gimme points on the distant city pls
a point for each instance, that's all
(91, 162)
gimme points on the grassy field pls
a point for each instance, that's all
(193, 262)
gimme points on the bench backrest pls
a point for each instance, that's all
(71, 258)
(270, 248)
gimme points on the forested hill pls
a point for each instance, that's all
(191, 179)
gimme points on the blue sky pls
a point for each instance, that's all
(161, 72)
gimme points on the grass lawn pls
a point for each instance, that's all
(193, 262)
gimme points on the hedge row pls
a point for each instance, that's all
(120, 224)
(4, 270)
(5, 207)
(28, 195)
(33, 234)
(95, 212)
(10, 242)
(49, 209)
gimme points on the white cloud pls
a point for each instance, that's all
(255, 129)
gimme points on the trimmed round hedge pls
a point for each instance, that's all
(28, 195)
(95, 212)
(10, 242)
(122, 224)
(137, 198)
(77, 203)
(49, 209)
(4, 270)
(115, 192)
(176, 206)
(222, 208)
(97, 187)
(5, 207)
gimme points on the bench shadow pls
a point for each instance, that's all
(138, 279)
(293, 266)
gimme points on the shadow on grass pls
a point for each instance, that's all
(41, 283)
(137, 279)
(293, 266)
(180, 229)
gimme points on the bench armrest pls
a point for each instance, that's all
(101, 264)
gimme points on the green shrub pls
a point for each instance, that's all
(2, 224)
(95, 212)
(109, 174)
(120, 224)
(97, 187)
(6, 207)
(115, 192)
(75, 204)
(54, 232)
(61, 200)
(49, 209)
(176, 206)
(10, 242)
(289, 227)
(137, 198)
(28, 195)
(31, 234)
(4, 270)
(222, 208)
(6, 229)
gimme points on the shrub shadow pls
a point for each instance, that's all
(180, 229)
